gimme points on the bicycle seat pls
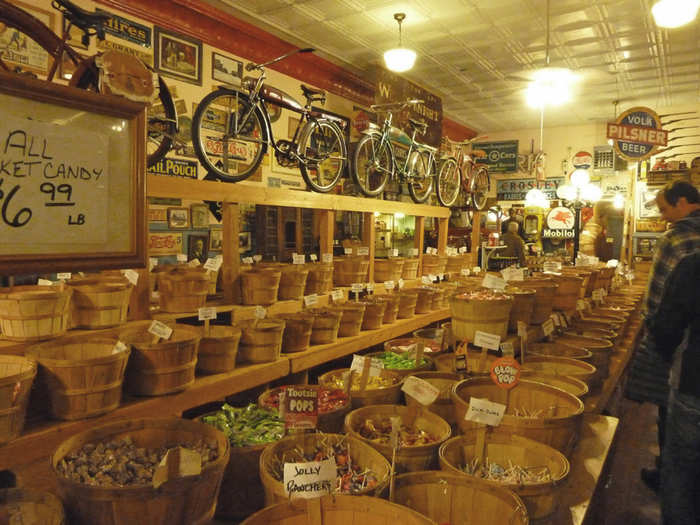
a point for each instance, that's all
(313, 94)
(418, 125)
(82, 18)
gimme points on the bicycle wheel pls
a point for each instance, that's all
(448, 182)
(480, 185)
(323, 154)
(420, 180)
(162, 116)
(228, 135)
(372, 165)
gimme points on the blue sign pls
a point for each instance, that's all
(516, 189)
(501, 157)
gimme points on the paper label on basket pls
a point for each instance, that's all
(395, 252)
(63, 276)
(522, 329)
(401, 283)
(161, 330)
(310, 300)
(486, 340)
(426, 279)
(347, 251)
(513, 274)
(395, 431)
(493, 282)
(476, 269)
(485, 411)
(299, 407)
(548, 327)
(132, 276)
(260, 312)
(597, 295)
(580, 304)
(551, 266)
(257, 258)
(213, 264)
(466, 272)
(337, 295)
(194, 263)
(178, 462)
(357, 287)
(313, 257)
(420, 390)
(369, 287)
(441, 276)
(152, 263)
(507, 348)
(413, 251)
(298, 258)
(181, 257)
(44, 282)
(389, 285)
(505, 372)
(462, 249)
(119, 347)
(206, 312)
(247, 260)
(432, 277)
(363, 250)
(375, 365)
(308, 480)
(327, 257)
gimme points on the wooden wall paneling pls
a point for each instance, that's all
(442, 235)
(231, 281)
(418, 241)
(368, 239)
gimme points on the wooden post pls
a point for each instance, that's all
(140, 301)
(418, 239)
(326, 229)
(299, 233)
(232, 258)
(442, 235)
(476, 237)
(368, 237)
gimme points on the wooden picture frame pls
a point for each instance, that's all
(198, 247)
(25, 53)
(53, 222)
(244, 241)
(216, 240)
(226, 69)
(177, 56)
(199, 215)
(178, 218)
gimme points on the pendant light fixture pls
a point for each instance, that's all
(674, 13)
(399, 59)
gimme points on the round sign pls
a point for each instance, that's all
(582, 160)
(560, 218)
(505, 372)
(637, 134)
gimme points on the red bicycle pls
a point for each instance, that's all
(473, 176)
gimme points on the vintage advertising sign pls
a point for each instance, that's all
(501, 157)
(582, 160)
(146, 58)
(560, 218)
(637, 134)
(164, 243)
(505, 372)
(175, 168)
(299, 407)
(516, 189)
(127, 29)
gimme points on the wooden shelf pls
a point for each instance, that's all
(161, 186)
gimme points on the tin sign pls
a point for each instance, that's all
(582, 160)
(637, 134)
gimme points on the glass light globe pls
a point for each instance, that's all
(566, 192)
(579, 178)
(591, 193)
(399, 59)
(618, 201)
(534, 197)
(551, 86)
(674, 13)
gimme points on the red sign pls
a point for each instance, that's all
(637, 134)
(505, 372)
(299, 407)
(582, 160)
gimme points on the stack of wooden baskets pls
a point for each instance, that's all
(183, 289)
(389, 269)
(544, 298)
(473, 311)
(218, 349)
(325, 326)
(434, 264)
(100, 303)
(260, 286)
(350, 270)
(410, 269)
(320, 279)
(292, 282)
(297, 331)
(261, 340)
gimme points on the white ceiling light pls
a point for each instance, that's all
(674, 13)
(399, 59)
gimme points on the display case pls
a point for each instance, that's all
(645, 244)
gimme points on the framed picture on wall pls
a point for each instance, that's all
(200, 215)
(178, 218)
(244, 242)
(225, 69)
(198, 247)
(216, 240)
(178, 56)
(18, 50)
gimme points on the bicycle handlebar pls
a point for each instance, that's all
(250, 66)
(466, 142)
(396, 105)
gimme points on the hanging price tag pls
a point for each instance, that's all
(247, 260)
(337, 295)
(119, 347)
(298, 258)
(327, 257)
(420, 390)
(395, 252)
(207, 312)
(505, 372)
(486, 340)
(310, 300)
(375, 365)
(493, 282)
(548, 327)
(426, 279)
(485, 411)
(63, 276)
(463, 249)
(152, 263)
(313, 257)
(414, 251)
(161, 330)
(363, 250)
(260, 312)
(311, 479)
(257, 258)
(389, 285)
(132, 276)
(347, 251)
(299, 407)
(181, 257)
(507, 349)
(213, 264)
(466, 272)
(401, 283)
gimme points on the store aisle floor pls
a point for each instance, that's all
(628, 501)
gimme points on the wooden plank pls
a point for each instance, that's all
(442, 235)
(252, 193)
(320, 354)
(476, 238)
(141, 296)
(418, 241)
(230, 279)
(326, 221)
(41, 440)
(368, 239)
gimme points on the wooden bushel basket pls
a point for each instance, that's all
(283, 451)
(388, 269)
(370, 396)
(320, 279)
(540, 498)
(428, 363)
(297, 332)
(557, 426)
(261, 340)
(559, 349)
(337, 510)
(443, 406)
(567, 293)
(453, 498)
(16, 376)
(292, 282)
(562, 366)
(186, 500)
(84, 375)
(410, 269)
(470, 315)
(349, 270)
(241, 491)
(218, 349)
(325, 327)
(523, 306)
(351, 320)
(456, 263)
(392, 307)
(434, 264)
(100, 303)
(570, 384)
(260, 287)
(34, 313)
(164, 367)
(424, 299)
(407, 304)
(544, 298)
(374, 313)
(183, 289)
(408, 458)
(34, 507)
(438, 299)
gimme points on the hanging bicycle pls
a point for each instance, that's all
(231, 132)
(375, 161)
(472, 176)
